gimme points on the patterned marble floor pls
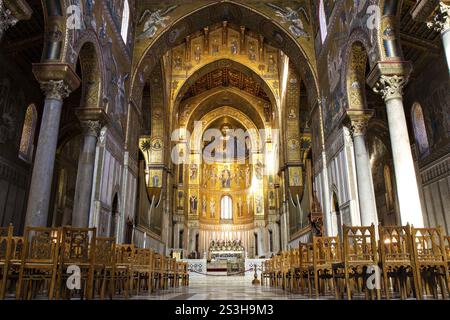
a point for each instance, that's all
(223, 288)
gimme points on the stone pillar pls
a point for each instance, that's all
(7, 19)
(367, 205)
(441, 23)
(390, 83)
(41, 181)
(86, 162)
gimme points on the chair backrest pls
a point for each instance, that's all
(285, 260)
(105, 251)
(78, 245)
(295, 259)
(447, 247)
(395, 244)
(125, 254)
(360, 245)
(41, 245)
(429, 246)
(157, 262)
(327, 250)
(5, 242)
(143, 257)
(305, 254)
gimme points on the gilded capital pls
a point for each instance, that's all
(57, 90)
(441, 20)
(91, 127)
(359, 121)
(390, 87)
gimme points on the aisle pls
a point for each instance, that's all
(223, 288)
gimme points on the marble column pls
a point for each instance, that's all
(367, 205)
(441, 23)
(86, 162)
(7, 19)
(41, 181)
(391, 88)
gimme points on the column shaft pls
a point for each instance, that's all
(367, 204)
(41, 181)
(405, 175)
(83, 190)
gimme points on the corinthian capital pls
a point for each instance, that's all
(359, 121)
(390, 86)
(441, 20)
(57, 90)
(91, 127)
(7, 19)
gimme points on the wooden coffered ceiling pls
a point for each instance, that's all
(24, 42)
(420, 44)
(226, 77)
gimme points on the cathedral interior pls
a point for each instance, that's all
(218, 137)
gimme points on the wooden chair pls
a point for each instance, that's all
(294, 264)
(39, 262)
(142, 270)
(15, 261)
(302, 267)
(283, 273)
(277, 262)
(431, 261)
(158, 271)
(171, 271)
(165, 271)
(104, 266)
(123, 270)
(326, 252)
(6, 235)
(77, 249)
(185, 274)
(397, 260)
(266, 272)
(359, 254)
(179, 270)
(447, 248)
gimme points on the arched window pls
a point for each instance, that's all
(125, 21)
(388, 187)
(226, 208)
(323, 21)
(420, 132)
(28, 131)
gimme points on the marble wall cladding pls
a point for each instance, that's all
(13, 194)
(142, 239)
(339, 181)
(17, 92)
(436, 193)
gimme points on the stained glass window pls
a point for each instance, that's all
(323, 21)
(29, 128)
(226, 208)
(125, 21)
(420, 130)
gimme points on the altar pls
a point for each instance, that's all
(226, 257)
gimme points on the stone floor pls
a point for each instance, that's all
(223, 288)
